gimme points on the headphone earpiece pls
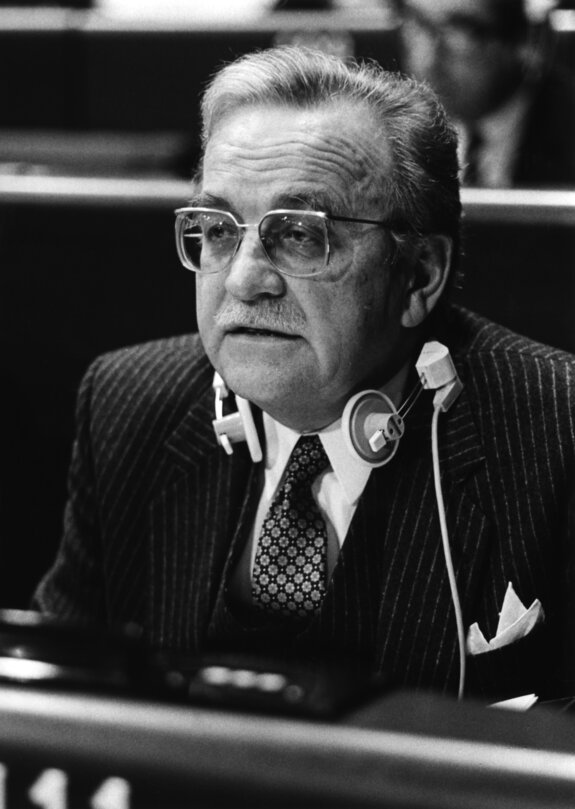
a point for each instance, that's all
(235, 427)
(371, 424)
(372, 427)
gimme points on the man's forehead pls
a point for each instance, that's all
(330, 125)
(297, 198)
(323, 148)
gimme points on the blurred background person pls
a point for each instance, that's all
(490, 61)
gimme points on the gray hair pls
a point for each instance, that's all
(422, 189)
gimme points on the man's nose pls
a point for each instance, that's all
(251, 273)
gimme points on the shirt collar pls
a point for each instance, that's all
(351, 473)
(280, 441)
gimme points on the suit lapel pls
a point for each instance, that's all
(416, 623)
(389, 593)
(191, 524)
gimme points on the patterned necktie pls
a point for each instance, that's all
(289, 575)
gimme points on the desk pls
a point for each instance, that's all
(481, 205)
(424, 751)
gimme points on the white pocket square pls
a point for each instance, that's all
(515, 622)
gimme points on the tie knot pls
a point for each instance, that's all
(307, 460)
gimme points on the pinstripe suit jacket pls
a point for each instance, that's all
(151, 526)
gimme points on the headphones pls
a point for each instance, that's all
(239, 426)
(372, 425)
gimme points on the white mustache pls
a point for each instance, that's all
(268, 315)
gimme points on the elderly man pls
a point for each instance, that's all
(489, 61)
(323, 231)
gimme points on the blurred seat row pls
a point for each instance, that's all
(95, 90)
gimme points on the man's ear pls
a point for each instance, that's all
(429, 273)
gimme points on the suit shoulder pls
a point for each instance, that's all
(158, 367)
(480, 342)
(145, 387)
(520, 396)
(168, 352)
(513, 380)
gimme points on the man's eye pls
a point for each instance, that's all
(298, 234)
(218, 231)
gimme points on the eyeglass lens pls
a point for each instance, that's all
(295, 242)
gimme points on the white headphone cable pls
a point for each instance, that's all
(447, 550)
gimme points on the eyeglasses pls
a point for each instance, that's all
(296, 243)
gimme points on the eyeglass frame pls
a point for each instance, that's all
(321, 215)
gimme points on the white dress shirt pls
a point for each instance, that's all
(336, 490)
